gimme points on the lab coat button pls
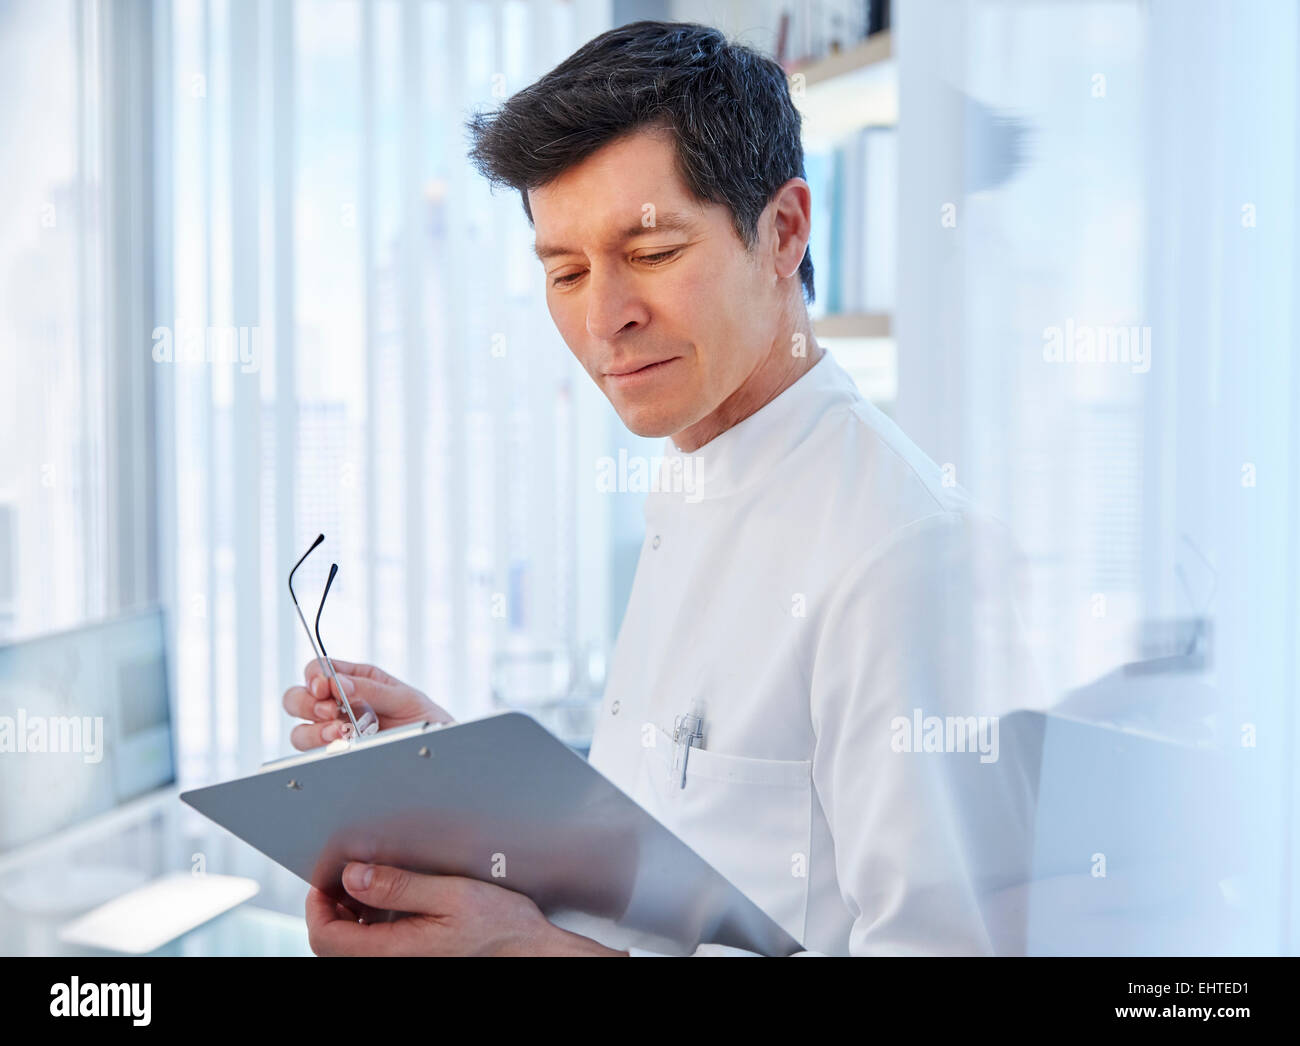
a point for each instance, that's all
(655, 542)
(613, 709)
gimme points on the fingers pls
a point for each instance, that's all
(322, 687)
(440, 915)
(397, 890)
(364, 694)
(351, 668)
(359, 691)
(333, 930)
(328, 718)
(314, 735)
(368, 690)
(320, 903)
(300, 702)
(327, 725)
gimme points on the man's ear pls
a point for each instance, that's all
(791, 211)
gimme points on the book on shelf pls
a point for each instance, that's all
(819, 170)
(810, 30)
(854, 238)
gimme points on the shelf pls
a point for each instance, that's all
(847, 91)
(874, 50)
(854, 325)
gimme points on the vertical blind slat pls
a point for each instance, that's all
(281, 90)
(208, 549)
(246, 483)
(368, 217)
(415, 371)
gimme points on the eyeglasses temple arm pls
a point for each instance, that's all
(319, 539)
(326, 666)
(329, 665)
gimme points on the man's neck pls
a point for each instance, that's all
(793, 352)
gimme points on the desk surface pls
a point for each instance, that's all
(246, 930)
(167, 838)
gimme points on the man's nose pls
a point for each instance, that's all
(612, 305)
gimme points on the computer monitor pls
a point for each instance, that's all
(85, 725)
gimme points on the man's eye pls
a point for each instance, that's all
(662, 256)
(564, 281)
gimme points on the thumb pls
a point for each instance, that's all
(322, 687)
(358, 688)
(365, 716)
(384, 698)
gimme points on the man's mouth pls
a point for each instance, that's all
(635, 374)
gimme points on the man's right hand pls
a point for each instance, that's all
(394, 703)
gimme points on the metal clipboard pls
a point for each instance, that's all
(502, 800)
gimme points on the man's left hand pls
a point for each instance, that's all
(449, 915)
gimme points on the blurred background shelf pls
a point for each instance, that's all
(876, 49)
(847, 91)
(855, 325)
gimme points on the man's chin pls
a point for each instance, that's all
(650, 425)
(649, 430)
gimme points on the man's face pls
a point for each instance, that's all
(652, 290)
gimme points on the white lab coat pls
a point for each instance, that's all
(816, 580)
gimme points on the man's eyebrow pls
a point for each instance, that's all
(671, 221)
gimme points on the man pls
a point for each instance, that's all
(815, 593)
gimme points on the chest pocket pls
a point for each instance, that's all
(749, 818)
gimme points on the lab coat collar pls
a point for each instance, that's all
(750, 449)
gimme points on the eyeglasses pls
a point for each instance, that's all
(318, 647)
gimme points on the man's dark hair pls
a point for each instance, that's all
(727, 106)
